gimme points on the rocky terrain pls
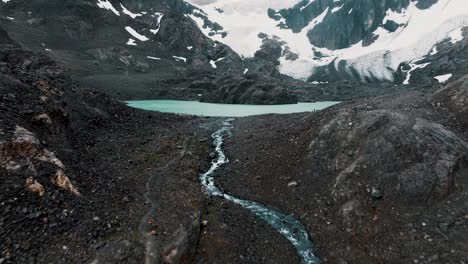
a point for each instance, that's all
(375, 181)
(380, 178)
(86, 179)
(74, 165)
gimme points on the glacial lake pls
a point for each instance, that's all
(225, 110)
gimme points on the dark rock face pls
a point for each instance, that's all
(351, 22)
(6, 40)
(454, 98)
(250, 89)
(410, 159)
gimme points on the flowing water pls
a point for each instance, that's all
(225, 110)
(286, 225)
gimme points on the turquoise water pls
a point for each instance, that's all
(225, 110)
(285, 224)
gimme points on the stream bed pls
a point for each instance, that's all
(286, 225)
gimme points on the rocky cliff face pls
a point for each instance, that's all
(130, 49)
(357, 40)
(348, 23)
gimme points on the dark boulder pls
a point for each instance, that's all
(411, 159)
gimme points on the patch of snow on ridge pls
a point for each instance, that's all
(456, 35)
(153, 58)
(443, 78)
(336, 9)
(414, 66)
(158, 23)
(244, 20)
(177, 58)
(105, 4)
(6, 1)
(136, 34)
(131, 42)
(130, 14)
(304, 7)
(213, 63)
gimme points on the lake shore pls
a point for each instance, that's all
(225, 110)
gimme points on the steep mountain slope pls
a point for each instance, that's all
(333, 40)
(136, 49)
(131, 49)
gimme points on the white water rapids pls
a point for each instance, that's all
(286, 225)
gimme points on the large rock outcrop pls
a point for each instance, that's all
(408, 158)
(249, 89)
(454, 98)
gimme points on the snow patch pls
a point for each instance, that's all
(456, 35)
(153, 58)
(105, 4)
(177, 58)
(443, 78)
(213, 63)
(336, 9)
(131, 42)
(127, 12)
(244, 20)
(414, 66)
(158, 23)
(136, 34)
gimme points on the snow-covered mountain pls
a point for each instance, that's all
(242, 51)
(363, 39)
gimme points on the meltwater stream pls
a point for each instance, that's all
(289, 227)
